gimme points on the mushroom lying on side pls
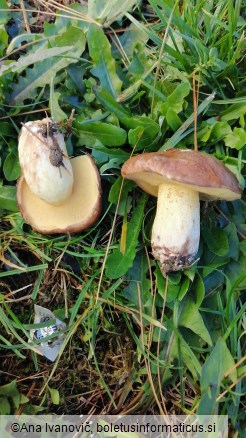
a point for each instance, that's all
(55, 194)
(179, 178)
(43, 158)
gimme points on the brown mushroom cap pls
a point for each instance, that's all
(77, 212)
(194, 170)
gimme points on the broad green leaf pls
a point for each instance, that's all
(63, 21)
(33, 58)
(143, 131)
(173, 119)
(8, 198)
(173, 289)
(180, 347)
(7, 130)
(11, 167)
(110, 103)
(55, 396)
(106, 11)
(217, 364)
(184, 286)
(4, 12)
(236, 269)
(102, 154)
(220, 130)
(3, 40)
(135, 136)
(104, 64)
(137, 276)
(118, 264)
(132, 37)
(242, 247)
(44, 70)
(198, 290)
(232, 235)
(176, 100)
(216, 239)
(191, 318)
(5, 408)
(183, 131)
(22, 38)
(149, 127)
(114, 191)
(237, 139)
(136, 67)
(107, 134)
(114, 163)
(10, 390)
(233, 112)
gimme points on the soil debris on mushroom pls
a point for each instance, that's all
(179, 179)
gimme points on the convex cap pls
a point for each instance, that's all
(195, 170)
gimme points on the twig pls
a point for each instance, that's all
(23, 10)
(195, 101)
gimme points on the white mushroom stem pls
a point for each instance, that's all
(176, 228)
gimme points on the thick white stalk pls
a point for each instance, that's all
(176, 228)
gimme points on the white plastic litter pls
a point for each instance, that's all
(49, 348)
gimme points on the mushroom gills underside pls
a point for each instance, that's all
(176, 229)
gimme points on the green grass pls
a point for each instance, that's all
(135, 342)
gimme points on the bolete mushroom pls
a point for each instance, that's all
(39, 189)
(179, 178)
(43, 160)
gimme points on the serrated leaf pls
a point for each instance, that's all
(16, 42)
(106, 133)
(104, 64)
(8, 198)
(118, 264)
(33, 58)
(43, 72)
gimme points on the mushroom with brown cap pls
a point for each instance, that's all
(56, 199)
(179, 178)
